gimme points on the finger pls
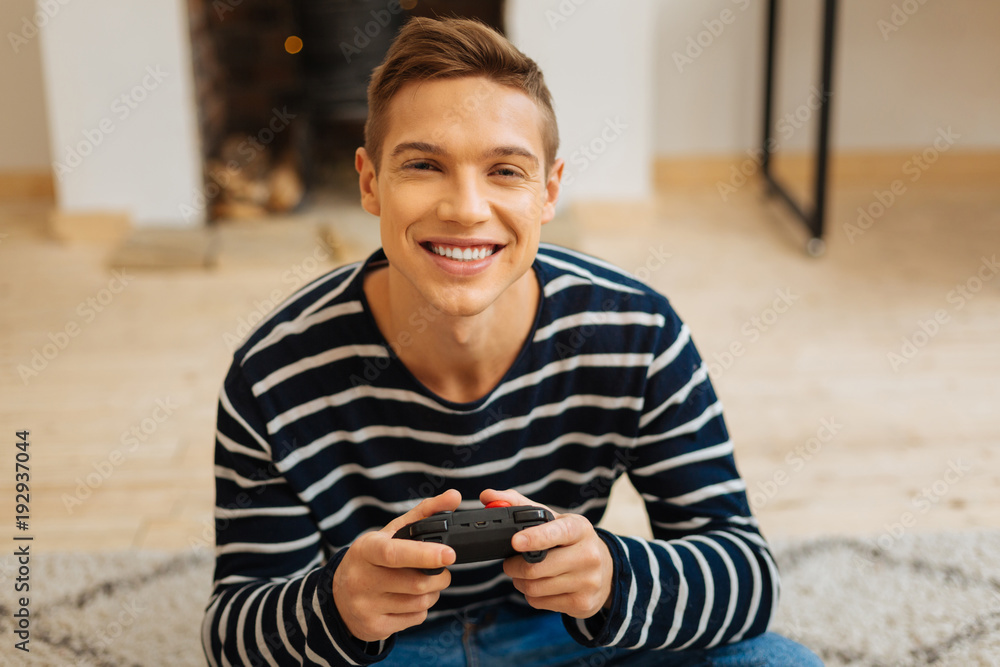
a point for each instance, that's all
(556, 562)
(407, 581)
(565, 530)
(385, 551)
(546, 586)
(511, 496)
(578, 595)
(566, 603)
(444, 502)
(412, 590)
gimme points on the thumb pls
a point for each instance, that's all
(445, 502)
(511, 496)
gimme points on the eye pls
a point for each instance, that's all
(420, 165)
(507, 172)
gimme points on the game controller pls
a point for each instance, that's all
(479, 535)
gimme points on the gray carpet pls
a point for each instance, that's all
(916, 600)
(925, 600)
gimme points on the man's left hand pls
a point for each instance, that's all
(576, 576)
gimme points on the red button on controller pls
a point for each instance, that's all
(497, 503)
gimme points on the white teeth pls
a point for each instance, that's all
(463, 254)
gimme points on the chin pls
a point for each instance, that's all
(463, 304)
(465, 309)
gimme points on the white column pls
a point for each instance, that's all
(596, 56)
(122, 117)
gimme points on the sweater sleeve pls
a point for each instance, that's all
(272, 602)
(707, 577)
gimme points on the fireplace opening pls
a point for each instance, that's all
(281, 93)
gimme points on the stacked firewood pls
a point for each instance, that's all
(252, 181)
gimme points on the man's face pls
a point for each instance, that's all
(461, 190)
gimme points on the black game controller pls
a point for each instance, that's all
(478, 535)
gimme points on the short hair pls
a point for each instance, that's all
(427, 48)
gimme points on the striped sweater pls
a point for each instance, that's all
(323, 434)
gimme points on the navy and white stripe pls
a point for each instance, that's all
(323, 435)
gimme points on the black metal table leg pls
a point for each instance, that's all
(814, 218)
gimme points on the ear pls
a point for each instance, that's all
(368, 182)
(553, 185)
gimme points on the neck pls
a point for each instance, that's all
(460, 358)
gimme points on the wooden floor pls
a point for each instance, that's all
(832, 432)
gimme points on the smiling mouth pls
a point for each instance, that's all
(463, 253)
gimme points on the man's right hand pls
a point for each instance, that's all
(379, 588)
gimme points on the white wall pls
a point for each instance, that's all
(708, 105)
(122, 118)
(594, 54)
(893, 87)
(940, 68)
(610, 66)
(24, 134)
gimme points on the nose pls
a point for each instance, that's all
(465, 201)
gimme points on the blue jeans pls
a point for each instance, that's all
(510, 635)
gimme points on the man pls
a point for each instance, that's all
(463, 364)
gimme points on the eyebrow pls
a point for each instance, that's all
(434, 149)
(504, 151)
(419, 146)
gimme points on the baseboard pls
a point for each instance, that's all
(97, 226)
(166, 248)
(37, 185)
(933, 167)
(603, 214)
